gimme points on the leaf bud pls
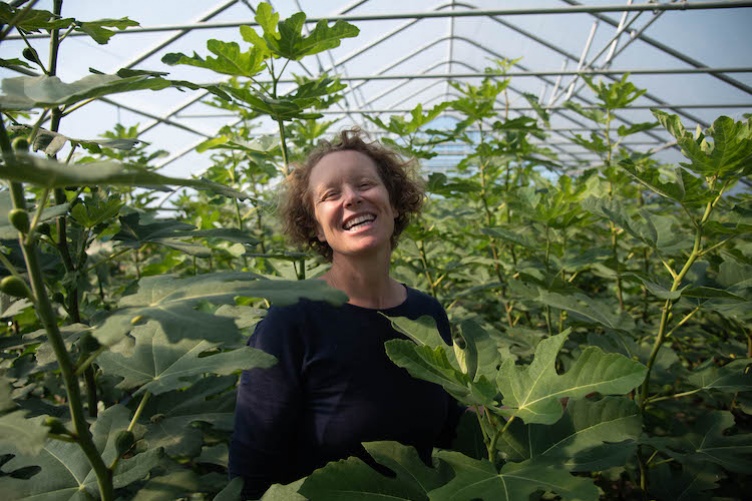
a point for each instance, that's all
(19, 218)
(15, 286)
(56, 426)
(124, 441)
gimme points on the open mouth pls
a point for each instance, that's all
(358, 221)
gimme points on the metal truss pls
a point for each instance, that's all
(385, 90)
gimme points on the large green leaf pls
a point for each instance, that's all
(174, 302)
(230, 59)
(21, 93)
(27, 435)
(595, 310)
(35, 20)
(689, 483)
(533, 393)
(64, 471)
(729, 152)
(170, 417)
(732, 377)
(589, 437)
(432, 365)
(350, 479)
(642, 227)
(708, 441)
(164, 232)
(52, 174)
(676, 184)
(479, 479)
(285, 38)
(156, 365)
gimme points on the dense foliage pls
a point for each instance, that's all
(602, 320)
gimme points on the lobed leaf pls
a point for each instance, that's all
(157, 365)
(591, 436)
(173, 303)
(62, 471)
(479, 479)
(432, 365)
(229, 60)
(533, 393)
(353, 479)
(733, 377)
(52, 174)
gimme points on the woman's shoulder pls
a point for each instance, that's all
(420, 300)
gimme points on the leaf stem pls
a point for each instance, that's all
(139, 410)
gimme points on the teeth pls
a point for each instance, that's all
(359, 220)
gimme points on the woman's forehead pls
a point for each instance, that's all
(340, 165)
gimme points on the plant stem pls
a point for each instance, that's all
(660, 338)
(281, 125)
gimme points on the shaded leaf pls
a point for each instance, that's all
(732, 377)
(28, 436)
(589, 437)
(171, 415)
(157, 365)
(352, 479)
(52, 174)
(173, 303)
(432, 365)
(478, 479)
(591, 309)
(63, 469)
(45, 92)
(709, 442)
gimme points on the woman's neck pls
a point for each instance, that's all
(366, 282)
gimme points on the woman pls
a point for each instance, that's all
(333, 386)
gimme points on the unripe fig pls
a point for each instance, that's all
(30, 54)
(124, 441)
(19, 218)
(15, 286)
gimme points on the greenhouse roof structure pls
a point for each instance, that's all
(692, 57)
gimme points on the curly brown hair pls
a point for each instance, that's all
(404, 187)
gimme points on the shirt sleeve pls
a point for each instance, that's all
(267, 407)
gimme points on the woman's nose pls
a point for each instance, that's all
(352, 197)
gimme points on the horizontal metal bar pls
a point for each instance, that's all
(511, 108)
(582, 9)
(545, 73)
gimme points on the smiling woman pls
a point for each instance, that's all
(334, 387)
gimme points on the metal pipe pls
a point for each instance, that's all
(673, 52)
(545, 73)
(585, 50)
(576, 9)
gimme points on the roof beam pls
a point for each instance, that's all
(574, 9)
(545, 73)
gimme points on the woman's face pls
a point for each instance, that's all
(351, 204)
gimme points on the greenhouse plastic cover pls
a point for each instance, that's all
(693, 58)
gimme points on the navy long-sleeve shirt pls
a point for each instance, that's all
(333, 388)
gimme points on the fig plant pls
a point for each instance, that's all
(602, 339)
